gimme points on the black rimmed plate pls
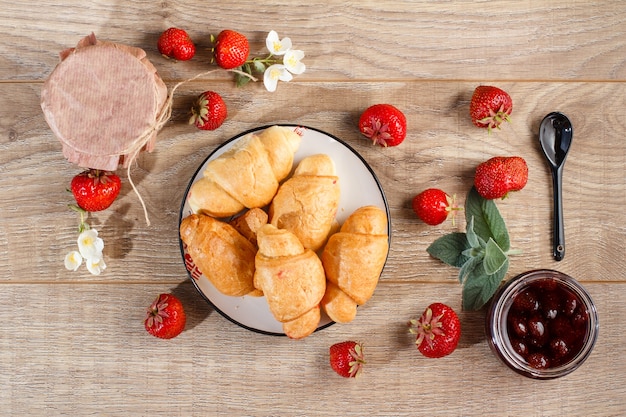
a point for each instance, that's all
(359, 187)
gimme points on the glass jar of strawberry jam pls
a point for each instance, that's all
(542, 324)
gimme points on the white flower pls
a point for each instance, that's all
(90, 245)
(73, 260)
(291, 60)
(273, 74)
(95, 265)
(275, 45)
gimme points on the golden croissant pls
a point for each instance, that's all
(292, 279)
(353, 260)
(247, 175)
(306, 204)
(221, 253)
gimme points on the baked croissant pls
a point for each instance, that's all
(304, 325)
(221, 253)
(291, 278)
(247, 175)
(306, 204)
(249, 223)
(353, 260)
(338, 305)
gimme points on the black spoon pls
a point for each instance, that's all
(555, 135)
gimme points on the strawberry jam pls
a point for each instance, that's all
(542, 324)
(547, 327)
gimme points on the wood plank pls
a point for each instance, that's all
(532, 40)
(81, 349)
(442, 150)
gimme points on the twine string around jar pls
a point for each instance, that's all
(137, 145)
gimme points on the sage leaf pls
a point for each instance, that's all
(494, 259)
(449, 249)
(469, 266)
(479, 286)
(487, 221)
(472, 237)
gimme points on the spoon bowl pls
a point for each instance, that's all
(555, 136)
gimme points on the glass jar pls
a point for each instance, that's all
(542, 324)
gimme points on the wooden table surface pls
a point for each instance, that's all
(72, 343)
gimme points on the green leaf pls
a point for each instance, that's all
(479, 286)
(495, 258)
(449, 249)
(258, 66)
(472, 237)
(487, 221)
(469, 266)
(241, 80)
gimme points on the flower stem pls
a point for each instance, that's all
(82, 226)
(267, 60)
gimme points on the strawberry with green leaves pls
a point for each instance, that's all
(95, 190)
(500, 175)
(346, 358)
(383, 124)
(176, 44)
(433, 206)
(209, 111)
(230, 49)
(438, 331)
(165, 318)
(490, 106)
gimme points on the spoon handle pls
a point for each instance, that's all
(558, 241)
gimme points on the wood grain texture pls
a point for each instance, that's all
(88, 354)
(73, 343)
(357, 41)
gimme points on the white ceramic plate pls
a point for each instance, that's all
(359, 187)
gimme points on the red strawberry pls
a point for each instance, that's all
(175, 43)
(498, 176)
(490, 106)
(209, 111)
(432, 206)
(231, 49)
(346, 358)
(384, 124)
(438, 331)
(95, 190)
(165, 317)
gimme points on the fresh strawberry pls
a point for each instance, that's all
(231, 49)
(384, 124)
(346, 358)
(175, 43)
(95, 190)
(209, 111)
(438, 331)
(498, 176)
(490, 106)
(433, 206)
(165, 317)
